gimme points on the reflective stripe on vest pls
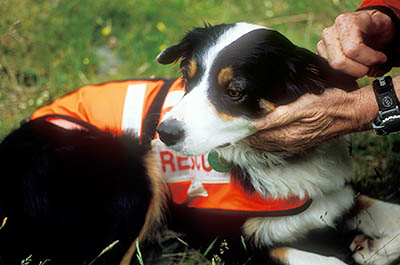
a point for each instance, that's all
(123, 105)
(115, 106)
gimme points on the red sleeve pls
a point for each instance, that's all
(388, 3)
(389, 7)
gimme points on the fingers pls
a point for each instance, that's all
(383, 27)
(287, 138)
(344, 44)
(321, 49)
(349, 30)
(306, 108)
(336, 56)
(363, 20)
(281, 116)
(274, 140)
(285, 114)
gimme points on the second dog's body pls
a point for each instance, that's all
(68, 195)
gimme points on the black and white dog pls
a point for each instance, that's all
(238, 73)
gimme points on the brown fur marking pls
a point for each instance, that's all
(280, 254)
(154, 216)
(224, 116)
(267, 105)
(225, 76)
(192, 68)
(361, 202)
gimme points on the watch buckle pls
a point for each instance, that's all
(383, 114)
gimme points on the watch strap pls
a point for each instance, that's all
(388, 120)
(385, 95)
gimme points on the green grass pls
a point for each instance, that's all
(51, 47)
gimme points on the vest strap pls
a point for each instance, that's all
(152, 118)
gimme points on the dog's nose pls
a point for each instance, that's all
(171, 131)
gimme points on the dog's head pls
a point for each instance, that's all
(234, 74)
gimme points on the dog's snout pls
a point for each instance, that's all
(171, 131)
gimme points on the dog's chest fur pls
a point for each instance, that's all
(321, 174)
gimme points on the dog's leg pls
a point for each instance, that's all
(292, 256)
(379, 222)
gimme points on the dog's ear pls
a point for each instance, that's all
(321, 74)
(193, 41)
(293, 70)
(310, 72)
(171, 54)
(332, 77)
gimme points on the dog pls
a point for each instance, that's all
(70, 191)
(237, 73)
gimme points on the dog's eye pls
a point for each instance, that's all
(236, 90)
(233, 93)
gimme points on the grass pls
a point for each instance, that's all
(51, 47)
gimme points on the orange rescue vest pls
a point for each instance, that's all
(124, 105)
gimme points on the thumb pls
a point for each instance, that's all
(279, 117)
(374, 23)
(366, 23)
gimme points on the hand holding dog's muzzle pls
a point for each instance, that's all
(312, 119)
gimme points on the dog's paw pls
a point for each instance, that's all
(362, 247)
(360, 242)
(370, 251)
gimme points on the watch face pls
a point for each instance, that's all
(387, 101)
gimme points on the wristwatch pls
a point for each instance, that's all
(388, 120)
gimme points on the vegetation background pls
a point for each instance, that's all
(51, 47)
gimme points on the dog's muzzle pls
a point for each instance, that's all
(171, 131)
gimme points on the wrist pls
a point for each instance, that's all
(367, 106)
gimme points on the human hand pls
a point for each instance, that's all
(312, 119)
(354, 43)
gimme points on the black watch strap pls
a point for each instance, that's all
(388, 120)
(385, 95)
